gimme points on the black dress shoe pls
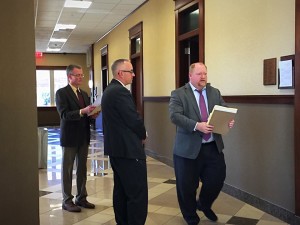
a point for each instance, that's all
(71, 207)
(85, 204)
(208, 213)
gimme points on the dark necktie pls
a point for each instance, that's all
(80, 99)
(204, 115)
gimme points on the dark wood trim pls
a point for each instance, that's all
(180, 64)
(177, 84)
(201, 31)
(260, 99)
(181, 4)
(51, 67)
(47, 108)
(135, 55)
(135, 30)
(137, 58)
(297, 108)
(245, 99)
(104, 75)
(188, 35)
(157, 99)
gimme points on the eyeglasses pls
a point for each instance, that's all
(128, 71)
(77, 75)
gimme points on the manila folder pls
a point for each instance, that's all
(220, 118)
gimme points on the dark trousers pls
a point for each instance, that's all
(69, 156)
(130, 195)
(209, 168)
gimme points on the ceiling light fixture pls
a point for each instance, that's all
(64, 27)
(53, 49)
(58, 40)
(77, 4)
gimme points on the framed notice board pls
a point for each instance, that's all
(286, 72)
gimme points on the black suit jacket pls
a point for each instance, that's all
(123, 128)
(74, 129)
(185, 113)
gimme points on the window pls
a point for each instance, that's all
(47, 83)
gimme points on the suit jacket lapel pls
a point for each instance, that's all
(73, 95)
(209, 100)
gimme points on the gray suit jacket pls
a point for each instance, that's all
(184, 113)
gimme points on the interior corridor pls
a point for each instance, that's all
(162, 209)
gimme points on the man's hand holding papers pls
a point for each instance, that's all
(222, 118)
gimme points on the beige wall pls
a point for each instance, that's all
(239, 35)
(65, 60)
(159, 46)
(18, 129)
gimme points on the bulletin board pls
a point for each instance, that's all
(286, 72)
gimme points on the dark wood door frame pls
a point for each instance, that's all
(137, 62)
(297, 108)
(104, 67)
(181, 5)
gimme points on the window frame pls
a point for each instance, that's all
(52, 94)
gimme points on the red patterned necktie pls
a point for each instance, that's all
(80, 99)
(204, 115)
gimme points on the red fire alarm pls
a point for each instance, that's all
(38, 54)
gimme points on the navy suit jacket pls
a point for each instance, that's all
(123, 128)
(185, 113)
(74, 129)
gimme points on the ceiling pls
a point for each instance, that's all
(91, 24)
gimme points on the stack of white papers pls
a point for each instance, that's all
(97, 103)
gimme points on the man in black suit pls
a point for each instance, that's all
(124, 136)
(197, 150)
(73, 107)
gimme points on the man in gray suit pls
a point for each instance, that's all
(197, 150)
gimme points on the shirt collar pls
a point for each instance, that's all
(120, 82)
(73, 88)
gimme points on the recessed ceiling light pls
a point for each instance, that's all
(53, 49)
(64, 27)
(77, 4)
(58, 40)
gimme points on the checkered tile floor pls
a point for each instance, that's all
(163, 205)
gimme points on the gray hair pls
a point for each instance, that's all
(116, 64)
(71, 67)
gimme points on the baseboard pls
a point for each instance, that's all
(160, 158)
(274, 210)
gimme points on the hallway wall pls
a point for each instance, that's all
(239, 35)
(18, 129)
(158, 47)
(258, 150)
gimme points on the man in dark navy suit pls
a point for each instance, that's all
(124, 136)
(73, 107)
(197, 151)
